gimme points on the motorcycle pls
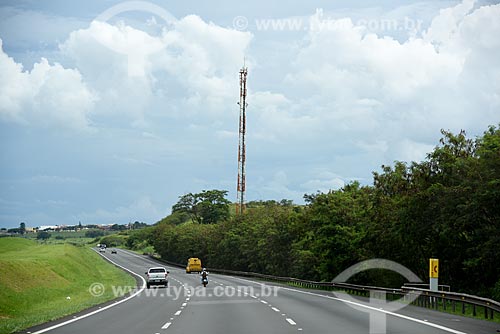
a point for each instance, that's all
(204, 281)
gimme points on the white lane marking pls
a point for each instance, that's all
(275, 309)
(291, 322)
(100, 308)
(184, 304)
(264, 302)
(447, 329)
(166, 325)
(178, 312)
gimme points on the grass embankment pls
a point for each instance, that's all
(36, 279)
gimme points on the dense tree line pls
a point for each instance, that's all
(447, 206)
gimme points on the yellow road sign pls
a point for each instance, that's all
(433, 268)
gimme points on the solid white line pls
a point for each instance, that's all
(166, 325)
(447, 329)
(178, 312)
(291, 322)
(103, 308)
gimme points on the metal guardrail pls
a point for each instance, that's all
(425, 297)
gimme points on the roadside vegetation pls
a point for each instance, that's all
(41, 281)
(445, 207)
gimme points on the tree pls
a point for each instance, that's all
(138, 225)
(207, 207)
(22, 228)
(43, 235)
(118, 227)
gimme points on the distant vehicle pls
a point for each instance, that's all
(113, 251)
(157, 276)
(102, 250)
(193, 266)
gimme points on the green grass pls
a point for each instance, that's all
(37, 278)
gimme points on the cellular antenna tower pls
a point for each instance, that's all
(240, 202)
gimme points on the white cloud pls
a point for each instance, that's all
(48, 94)
(445, 26)
(324, 186)
(382, 91)
(189, 68)
(123, 73)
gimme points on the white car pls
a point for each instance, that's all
(157, 276)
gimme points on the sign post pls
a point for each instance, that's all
(433, 274)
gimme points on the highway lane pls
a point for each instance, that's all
(236, 305)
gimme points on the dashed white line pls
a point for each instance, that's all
(430, 324)
(184, 304)
(264, 302)
(178, 312)
(291, 322)
(166, 325)
(275, 309)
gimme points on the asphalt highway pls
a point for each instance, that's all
(236, 305)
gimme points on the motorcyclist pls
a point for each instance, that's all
(204, 275)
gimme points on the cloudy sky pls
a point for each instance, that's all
(109, 110)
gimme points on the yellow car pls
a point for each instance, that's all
(194, 265)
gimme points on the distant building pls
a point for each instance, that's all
(48, 228)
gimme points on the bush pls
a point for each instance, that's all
(43, 235)
(113, 240)
(94, 233)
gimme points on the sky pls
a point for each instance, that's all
(111, 110)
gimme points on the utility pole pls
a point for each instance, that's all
(240, 202)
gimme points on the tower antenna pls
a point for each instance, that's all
(240, 202)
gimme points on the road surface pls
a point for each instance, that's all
(236, 305)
